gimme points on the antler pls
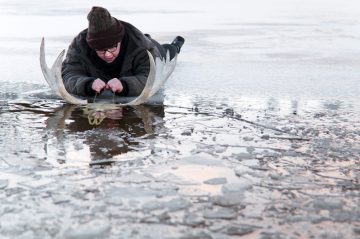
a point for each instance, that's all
(54, 79)
(158, 74)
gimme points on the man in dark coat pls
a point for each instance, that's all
(111, 55)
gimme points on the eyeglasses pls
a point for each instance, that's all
(111, 49)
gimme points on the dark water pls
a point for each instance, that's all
(50, 130)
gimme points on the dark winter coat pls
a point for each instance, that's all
(80, 68)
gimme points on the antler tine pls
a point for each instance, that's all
(158, 74)
(146, 93)
(56, 72)
(54, 78)
(45, 69)
(163, 71)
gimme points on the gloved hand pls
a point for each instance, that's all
(98, 85)
(115, 85)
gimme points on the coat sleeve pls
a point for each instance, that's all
(141, 68)
(74, 74)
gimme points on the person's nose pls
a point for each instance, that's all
(108, 54)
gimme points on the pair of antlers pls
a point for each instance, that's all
(160, 70)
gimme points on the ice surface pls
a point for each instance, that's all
(4, 183)
(220, 213)
(216, 181)
(93, 230)
(256, 132)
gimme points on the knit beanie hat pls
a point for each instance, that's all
(104, 31)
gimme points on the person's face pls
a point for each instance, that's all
(109, 54)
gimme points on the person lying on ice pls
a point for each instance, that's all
(111, 55)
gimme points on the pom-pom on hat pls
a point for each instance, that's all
(104, 31)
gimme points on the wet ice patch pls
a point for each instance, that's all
(216, 181)
(4, 183)
(177, 204)
(193, 219)
(228, 199)
(328, 203)
(91, 230)
(239, 187)
(136, 178)
(238, 230)
(130, 192)
(220, 213)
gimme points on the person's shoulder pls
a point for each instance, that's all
(79, 41)
(134, 32)
(79, 38)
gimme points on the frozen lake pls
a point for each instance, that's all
(256, 133)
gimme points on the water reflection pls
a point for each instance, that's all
(102, 134)
(98, 113)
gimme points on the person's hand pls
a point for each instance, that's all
(115, 85)
(98, 85)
